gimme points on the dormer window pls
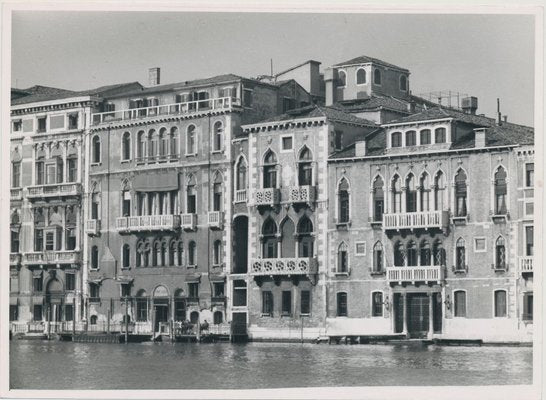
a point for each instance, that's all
(377, 77)
(361, 76)
(396, 139)
(410, 138)
(403, 83)
(440, 135)
(342, 79)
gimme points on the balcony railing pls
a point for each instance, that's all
(142, 223)
(16, 194)
(283, 266)
(188, 221)
(240, 196)
(14, 258)
(52, 257)
(218, 299)
(416, 220)
(526, 264)
(189, 107)
(267, 197)
(216, 219)
(93, 227)
(55, 190)
(434, 273)
(301, 194)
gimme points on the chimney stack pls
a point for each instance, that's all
(479, 137)
(360, 149)
(469, 105)
(505, 118)
(499, 119)
(154, 76)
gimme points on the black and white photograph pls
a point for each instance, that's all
(271, 203)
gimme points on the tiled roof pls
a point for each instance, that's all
(42, 93)
(366, 59)
(372, 103)
(103, 90)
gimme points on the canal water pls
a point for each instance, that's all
(67, 365)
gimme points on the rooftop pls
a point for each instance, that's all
(366, 59)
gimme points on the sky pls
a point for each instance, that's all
(487, 56)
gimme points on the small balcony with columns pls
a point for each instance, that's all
(526, 265)
(147, 223)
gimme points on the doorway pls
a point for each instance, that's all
(418, 314)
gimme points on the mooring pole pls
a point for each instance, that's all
(126, 320)
(73, 318)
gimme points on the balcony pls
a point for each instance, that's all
(283, 266)
(16, 194)
(55, 190)
(267, 197)
(188, 221)
(192, 299)
(147, 223)
(240, 196)
(416, 220)
(218, 299)
(301, 194)
(14, 259)
(526, 264)
(52, 257)
(93, 227)
(216, 219)
(190, 107)
(425, 274)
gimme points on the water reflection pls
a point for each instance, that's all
(66, 365)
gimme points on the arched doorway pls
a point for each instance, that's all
(161, 309)
(54, 302)
(240, 244)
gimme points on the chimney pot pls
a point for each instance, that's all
(469, 105)
(505, 117)
(154, 76)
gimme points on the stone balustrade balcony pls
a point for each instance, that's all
(54, 190)
(93, 227)
(267, 197)
(416, 220)
(434, 273)
(283, 266)
(240, 196)
(301, 194)
(188, 221)
(52, 257)
(215, 219)
(16, 194)
(147, 223)
(14, 259)
(526, 264)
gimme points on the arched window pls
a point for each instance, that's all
(377, 257)
(500, 191)
(218, 136)
(500, 253)
(126, 256)
(126, 146)
(396, 139)
(163, 254)
(190, 140)
(403, 83)
(163, 143)
(440, 135)
(191, 196)
(288, 243)
(500, 303)
(460, 255)
(192, 256)
(269, 233)
(460, 194)
(439, 191)
(341, 79)
(425, 253)
(439, 253)
(411, 138)
(141, 145)
(411, 194)
(377, 77)
(377, 304)
(378, 199)
(194, 317)
(270, 170)
(173, 137)
(305, 167)
(218, 317)
(96, 149)
(459, 306)
(412, 253)
(424, 136)
(399, 255)
(94, 257)
(424, 187)
(217, 193)
(156, 256)
(306, 240)
(343, 258)
(152, 144)
(93, 320)
(343, 201)
(241, 174)
(396, 188)
(217, 253)
(361, 76)
(173, 253)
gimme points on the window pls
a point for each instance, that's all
(396, 188)
(338, 140)
(93, 320)
(460, 194)
(412, 254)
(73, 121)
(425, 253)
(38, 239)
(360, 248)
(17, 125)
(342, 304)
(529, 241)
(217, 192)
(439, 192)
(94, 292)
(343, 258)
(306, 241)
(360, 76)
(305, 303)
(68, 312)
(403, 83)
(287, 143)
(440, 135)
(529, 174)
(126, 146)
(179, 307)
(141, 145)
(94, 257)
(459, 306)
(15, 174)
(500, 253)
(173, 142)
(191, 140)
(286, 302)
(425, 193)
(343, 201)
(247, 98)
(193, 290)
(424, 136)
(239, 293)
(42, 124)
(500, 303)
(217, 253)
(377, 77)
(191, 196)
(377, 257)
(396, 139)
(218, 289)
(341, 79)
(480, 245)
(439, 253)
(378, 199)
(267, 303)
(37, 312)
(460, 255)
(13, 312)
(270, 170)
(377, 304)
(500, 192)
(399, 255)
(14, 239)
(72, 165)
(70, 281)
(217, 318)
(40, 179)
(241, 174)
(125, 289)
(37, 284)
(126, 256)
(527, 307)
(192, 261)
(95, 149)
(126, 203)
(305, 168)
(218, 136)
(269, 233)
(288, 104)
(142, 307)
(411, 194)
(410, 138)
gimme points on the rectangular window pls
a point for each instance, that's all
(193, 289)
(286, 302)
(37, 284)
(440, 135)
(70, 235)
(459, 306)
(70, 281)
(68, 312)
(37, 312)
(14, 245)
(13, 312)
(51, 174)
(239, 293)
(39, 173)
(73, 121)
(15, 174)
(377, 304)
(267, 303)
(305, 305)
(529, 241)
(342, 304)
(72, 169)
(527, 307)
(247, 98)
(94, 292)
(529, 174)
(287, 143)
(219, 289)
(142, 309)
(126, 207)
(16, 125)
(125, 290)
(500, 303)
(288, 104)
(38, 239)
(338, 140)
(42, 124)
